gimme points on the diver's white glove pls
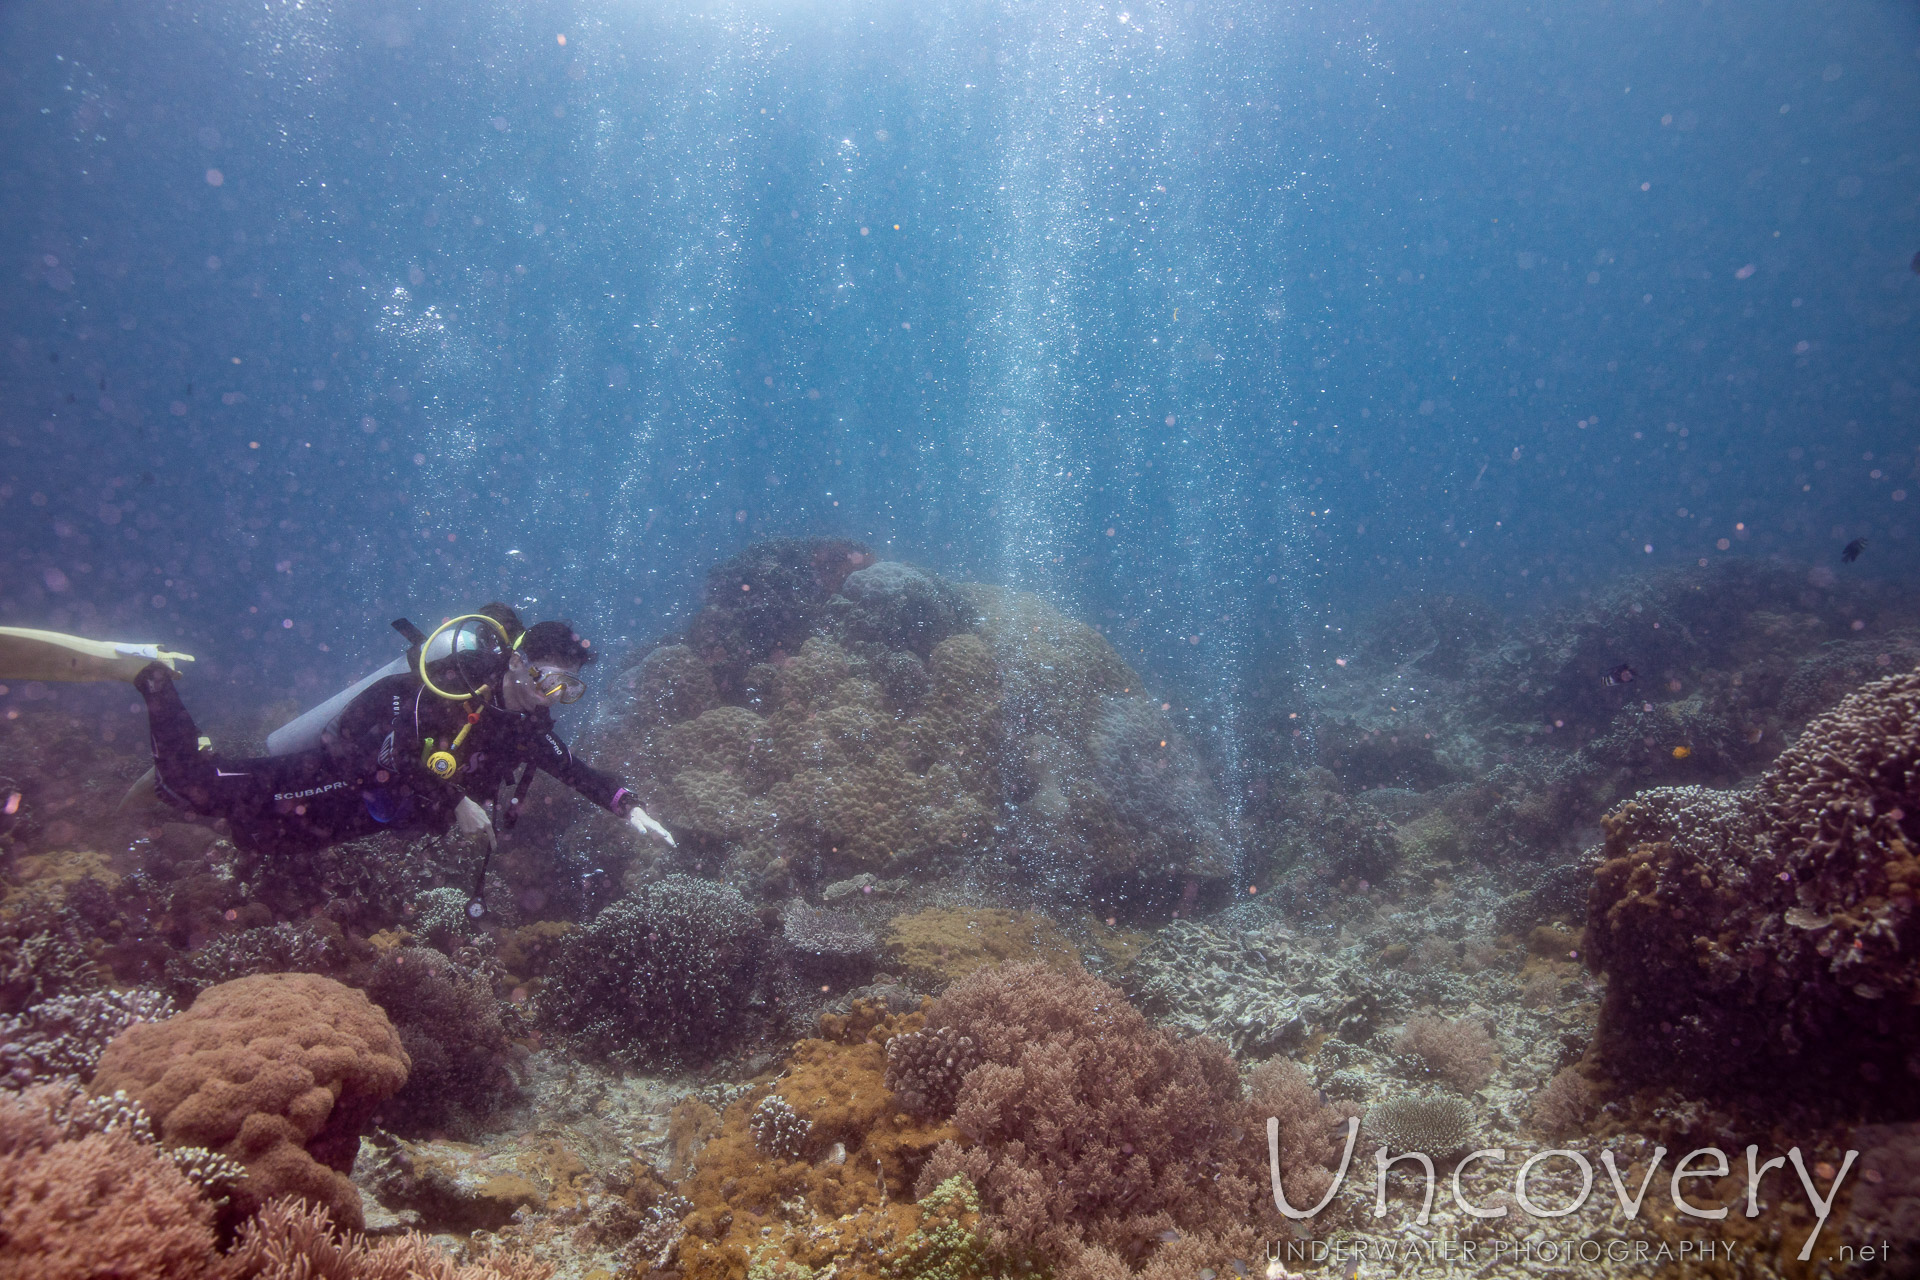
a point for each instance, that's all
(473, 820)
(646, 826)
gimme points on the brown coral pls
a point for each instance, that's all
(935, 947)
(278, 1071)
(1768, 938)
(1088, 1130)
(796, 731)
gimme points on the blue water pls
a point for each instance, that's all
(1216, 322)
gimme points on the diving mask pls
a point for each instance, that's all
(555, 684)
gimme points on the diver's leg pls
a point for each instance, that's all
(182, 775)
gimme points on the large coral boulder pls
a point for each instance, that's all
(280, 1071)
(830, 716)
(1768, 939)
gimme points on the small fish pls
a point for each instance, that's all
(1168, 1237)
(1681, 753)
(1852, 550)
(1622, 674)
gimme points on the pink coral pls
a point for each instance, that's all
(1460, 1053)
(294, 1241)
(98, 1204)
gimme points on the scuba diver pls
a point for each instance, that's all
(425, 744)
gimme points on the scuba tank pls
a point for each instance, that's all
(479, 658)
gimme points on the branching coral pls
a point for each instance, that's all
(668, 974)
(1459, 1053)
(449, 1023)
(66, 1035)
(291, 1241)
(279, 1071)
(278, 948)
(78, 1202)
(1088, 1129)
(43, 953)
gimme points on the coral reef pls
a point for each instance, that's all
(307, 947)
(829, 720)
(899, 607)
(936, 947)
(44, 953)
(926, 1068)
(1436, 1125)
(777, 1131)
(1259, 991)
(279, 1071)
(66, 1035)
(450, 1026)
(844, 1206)
(1087, 1131)
(767, 600)
(1766, 939)
(440, 917)
(82, 1202)
(291, 1241)
(671, 973)
(1308, 1130)
(947, 1245)
(1458, 1053)
(829, 944)
(1566, 1103)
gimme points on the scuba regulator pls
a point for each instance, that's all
(478, 650)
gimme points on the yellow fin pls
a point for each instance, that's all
(49, 655)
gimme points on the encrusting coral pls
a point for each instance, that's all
(278, 1071)
(843, 1199)
(1767, 939)
(935, 947)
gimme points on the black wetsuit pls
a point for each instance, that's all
(367, 775)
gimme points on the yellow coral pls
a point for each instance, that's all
(845, 1203)
(54, 875)
(937, 947)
